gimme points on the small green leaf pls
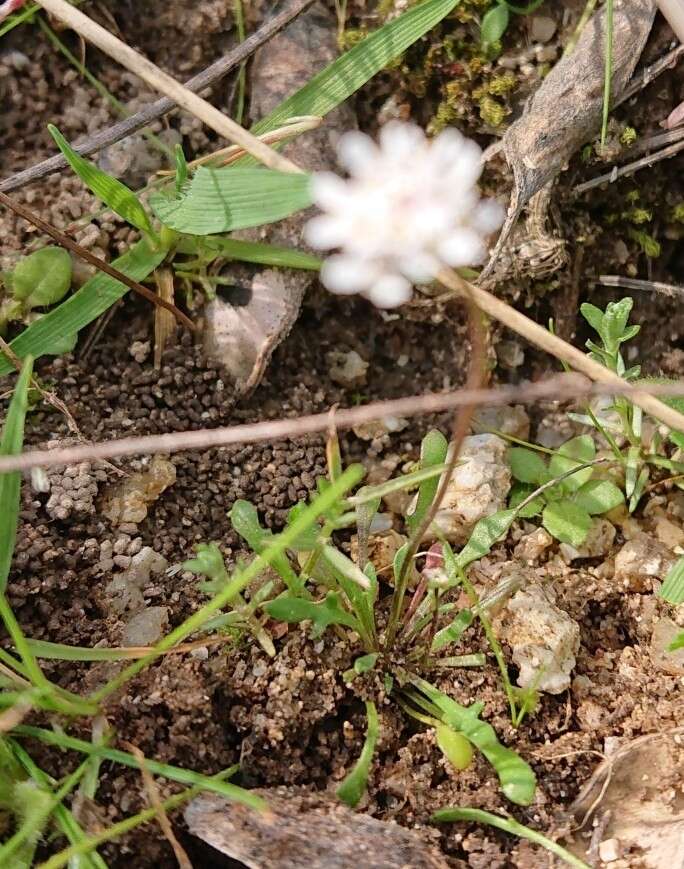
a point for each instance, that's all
(494, 24)
(245, 521)
(567, 522)
(354, 785)
(365, 663)
(433, 452)
(484, 535)
(614, 323)
(112, 192)
(598, 496)
(527, 466)
(339, 562)
(452, 632)
(454, 746)
(181, 168)
(572, 453)
(42, 278)
(677, 643)
(287, 608)
(521, 491)
(263, 254)
(673, 588)
(593, 316)
(208, 562)
(236, 197)
(307, 541)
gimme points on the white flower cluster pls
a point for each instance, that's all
(410, 207)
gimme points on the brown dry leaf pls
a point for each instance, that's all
(243, 328)
(566, 109)
(635, 797)
(305, 829)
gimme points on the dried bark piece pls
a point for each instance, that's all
(243, 328)
(303, 829)
(565, 111)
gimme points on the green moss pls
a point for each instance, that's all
(678, 213)
(492, 112)
(501, 84)
(350, 37)
(628, 136)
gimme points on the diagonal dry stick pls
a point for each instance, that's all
(166, 84)
(89, 257)
(560, 387)
(148, 114)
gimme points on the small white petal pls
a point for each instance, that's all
(400, 141)
(347, 274)
(488, 216)
(463, 248)
(419, 268)
(389, 291)
(357, 152)
(325, 232)
(329, 191)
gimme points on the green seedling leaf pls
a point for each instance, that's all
(521, 491)
(345, 566)
(345, 75)
(365, 663)
(208, 562)
(452, 633)
(287, 608)
(454, 746)
(566, 521)
(593, 316)
(598, 496)
(508, 825)
(677, 643)
(484, 535)
(494, 24)
(527, 466)
(307, 541)
(354, 785)
(673, 588)
(574, 452)
(42, 278)
(181, 168)
(10, 483)
(236, 197)
(84, 306)
(614, 324)
(517, 779)
(245, 521)
(112, 192)
(263, 254)
(433, 452)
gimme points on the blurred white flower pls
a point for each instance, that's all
(410, 207)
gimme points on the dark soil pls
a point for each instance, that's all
(292, 720)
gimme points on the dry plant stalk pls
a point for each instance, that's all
(155, 802)
(568, 386)
(557, 347)
(164, 324)
(165, 84)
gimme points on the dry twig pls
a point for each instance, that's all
(147, 115)
(89, 257)
(166, 84)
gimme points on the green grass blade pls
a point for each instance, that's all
(508, 825)
(93, 299)
(673, 587)
(111, 191)
(223, 200)
(174, 773)
(264, 254)
(354, 786)
(352, 70)
(10, 484)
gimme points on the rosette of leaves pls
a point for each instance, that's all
(566, 508)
